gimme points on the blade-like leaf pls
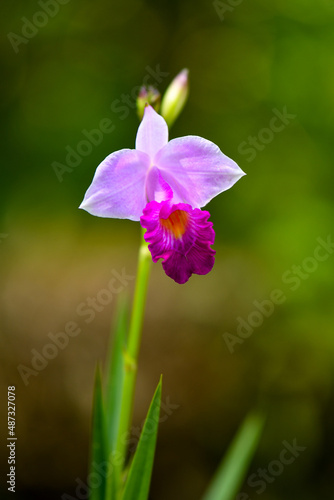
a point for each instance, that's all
(114, 392)
(233, 468)
(115, 374)
(99, 443)
(138, 482)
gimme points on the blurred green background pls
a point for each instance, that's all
(249, 61)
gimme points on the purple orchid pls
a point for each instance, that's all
(164, 184)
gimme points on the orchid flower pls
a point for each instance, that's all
(164, 184)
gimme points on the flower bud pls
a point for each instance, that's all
(175, 97)
(148, 95)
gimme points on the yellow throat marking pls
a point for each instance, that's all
(176, 223)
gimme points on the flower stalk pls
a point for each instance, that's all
(131, 352)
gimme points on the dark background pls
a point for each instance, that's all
(246, 65)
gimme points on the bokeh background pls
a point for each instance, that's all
(248, 62)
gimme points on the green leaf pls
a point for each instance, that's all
(138, 482)
(115, 375)
(233, 468)
(114, 393)
(99, 443)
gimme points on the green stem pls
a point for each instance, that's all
(131, 356)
